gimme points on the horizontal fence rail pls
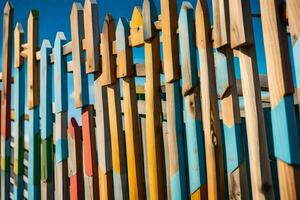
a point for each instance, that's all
(180, 125)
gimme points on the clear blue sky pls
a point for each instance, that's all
(54, 17)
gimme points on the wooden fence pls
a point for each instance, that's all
(187, 135)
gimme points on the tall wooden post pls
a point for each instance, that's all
(175, 130)
(154, 137)
(108, 79)
(133, 136)
(33, 105)
(47, 171)
(284, 122)
(19, 82)
(6, 99)
(61, 119)
(242, 40)
(192, 104)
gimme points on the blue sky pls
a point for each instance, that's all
(54, 17)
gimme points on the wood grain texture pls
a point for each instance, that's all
(220, 34)
(240, 15)
(81, 90)
(89, 147)
(293, 7)
(33, 82)
(261, 181)
(108, 75)
(169, 18)
(103, 140)
(136, 27)
(276, 49)
(210, 112)
(154, 137)
(132, 133)
(18, 41)
(92, 36)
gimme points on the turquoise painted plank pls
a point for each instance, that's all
(187, 48)
(19, 83)
(285, 131)
(179, 179)
(61, 148)
(195, 150)
(296, 56)
(222, 74)
(60, 74)
(46, 91)
(149, 13)
(34, 167)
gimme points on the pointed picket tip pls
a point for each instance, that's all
(73, 126)
(122, 33)
(76, 6)
(33, 14)
(89, 2)
(149, 18)
(46, 44)
(186, 6)
(136, 17)
(107, 20)
(8, 6)
(123, 26)
(19, 28)
(60, 36)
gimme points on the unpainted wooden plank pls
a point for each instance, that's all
(92, 36)
(18, 41)
(210, 112)
(33, 82)
(220, 33)
(81, 90)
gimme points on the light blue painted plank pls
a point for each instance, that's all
(61, 148)
(121, 32)
(46, 91)
(187, 48)
(222, 74)
(285, 132)
(296, 56)
(60, 74)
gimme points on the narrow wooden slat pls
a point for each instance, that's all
(61, 119)
(33, 86)
(81, 92)
(136, 28)
(176, 174)
(92, 36)
(75, 161)
(210, 111)
(6, 98)
(90, 159)
(47, 175)
(154, 137)
(284, 121)
(108, 75)
(19, 40)
(220, 32)
(169, 23)
(132, 133)
(19, 113)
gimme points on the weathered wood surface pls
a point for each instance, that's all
(285, 133)
(132, 133)
(210, 112)
(154, 137)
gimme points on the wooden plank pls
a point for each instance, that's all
(220, 34)
(284, 122)
(132, 133)
(18, 41)
(108, 75)
(154, 137)
(34, 165)
(176, 175)
(46, 122)
(92, 36)
(61, 119)
(33, 86)
(81, 90)
(136, 27)
(210, 112)
(114, 108)
(6, 98)
(240, 15)
(19, 129)
(169, 23)
(90, 159)
(75, 160)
